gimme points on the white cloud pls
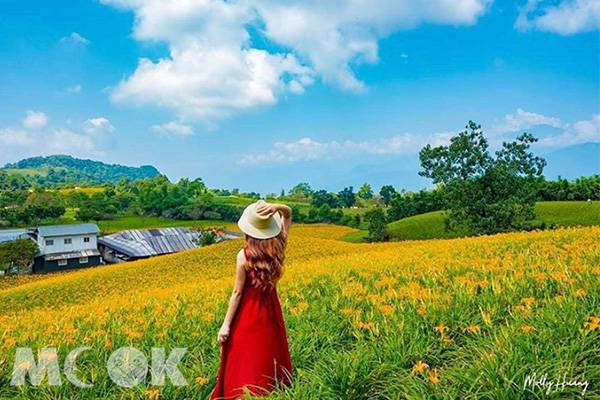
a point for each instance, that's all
(522, 119)
(213, 70)
(35, 120)
(586, 131)
(39, 139)
(98, 125)
(568, 17)
(307, 149)
(173, 128)
(75, 89)
(15, 137)
(74, 39)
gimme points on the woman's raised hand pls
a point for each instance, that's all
(266, 209)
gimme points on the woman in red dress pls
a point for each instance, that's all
(254, 355)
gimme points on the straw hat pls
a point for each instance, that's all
(259, 226)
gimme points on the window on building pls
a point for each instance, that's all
(62, 263)
(83, 260)
(86, 239)
(68, 241)
(49, 242)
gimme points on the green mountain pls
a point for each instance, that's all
(63, 170)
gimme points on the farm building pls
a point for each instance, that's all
(7, 235)
(142, 243)
(64, 247)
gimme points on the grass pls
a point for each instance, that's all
(569, 213)
(25, 171)
(139, 222)
(431, 225)
(467, 318)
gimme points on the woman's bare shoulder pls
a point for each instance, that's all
(241, 257)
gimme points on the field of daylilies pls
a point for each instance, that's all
(439, 319)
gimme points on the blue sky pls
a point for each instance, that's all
(262, 94)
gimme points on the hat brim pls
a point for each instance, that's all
(270, 231)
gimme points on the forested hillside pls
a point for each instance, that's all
(59, 170)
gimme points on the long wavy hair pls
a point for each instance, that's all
(264, 260)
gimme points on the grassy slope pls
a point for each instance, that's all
(431, 225)
(359, 317)
(137, 222)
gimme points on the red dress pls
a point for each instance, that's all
(256, 354)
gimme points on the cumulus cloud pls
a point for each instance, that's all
(566, 17)
(173, 128)
(98, 125)
(586, 131)
(214, 69)
(74, 39)
(522, 119)
(308, 149)
(36, 138)
(35, 120)
(15, 137)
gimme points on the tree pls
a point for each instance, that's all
(365, 192)
(377, 225)
(386, 192)
(301, 190)
(346, 197)
(321, 197)
(485, 194)
(17, 255)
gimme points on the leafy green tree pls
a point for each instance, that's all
(376, 221)
(321, 197)
(346, 197)
(485, 194)
(301, 190)
(386, 192)
(365, 192)
(17, 255)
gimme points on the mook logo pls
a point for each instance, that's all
(126, 367)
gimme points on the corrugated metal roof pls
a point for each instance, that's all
(66, 230)
(73, 254)
(12, 234)
(151, 242)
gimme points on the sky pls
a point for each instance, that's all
(262, 94)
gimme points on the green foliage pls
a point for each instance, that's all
(406, 204)
(485, 194)
(548, 213)
(301, 191)
(321, 197)
(377, 225)
(207, 238)
(365, 192)
(387, 192)
(346, 197)
(17, 255)
(61, 169)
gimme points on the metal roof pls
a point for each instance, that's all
(67, 230)
(151, 242)
(73, 254)
(12, 234)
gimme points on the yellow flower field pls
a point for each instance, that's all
(448, 319)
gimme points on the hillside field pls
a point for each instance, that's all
(439, 319)
(431, 225)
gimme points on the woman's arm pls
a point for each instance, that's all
(236, 295)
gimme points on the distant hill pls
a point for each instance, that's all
(573, 161)
(59, 170)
